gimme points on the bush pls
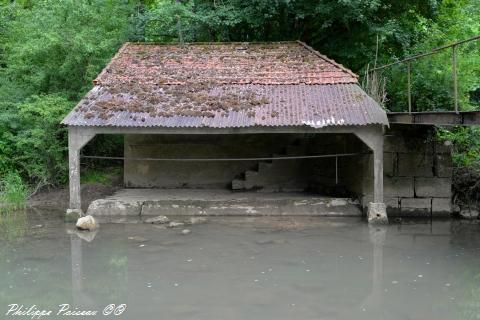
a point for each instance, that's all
(466, 158)
(32, 141)
(13, 192)
(466, 145)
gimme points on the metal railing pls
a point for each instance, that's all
(408, 62)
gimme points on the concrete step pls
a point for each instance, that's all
(238, 184)
(250, 174)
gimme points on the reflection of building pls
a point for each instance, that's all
(99, 272)
(79, 295)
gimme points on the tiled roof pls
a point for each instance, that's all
(224, 85)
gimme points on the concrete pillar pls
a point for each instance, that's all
(372, 136)
(74, 178)
(77, 138)
(378, 173)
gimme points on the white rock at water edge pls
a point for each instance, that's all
(197, 220)
(175, 224)
(469, 213)
(157, 220)
(87, 223)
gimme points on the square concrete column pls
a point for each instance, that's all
(77, 138)
(378, 172)
(372, 136)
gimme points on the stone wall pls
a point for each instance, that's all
(417, 173)
(316, 175)
(201, 174)
(417, 180)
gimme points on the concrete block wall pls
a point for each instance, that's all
(269, 176)
(214, 175)
(417, 170)
(417, 173)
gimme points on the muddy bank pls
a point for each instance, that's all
(58, 198)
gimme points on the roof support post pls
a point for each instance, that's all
(77, 138)
(373, 138)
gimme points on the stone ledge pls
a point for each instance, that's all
(416, 203)
(416, 206)
(441, 206)
(433, 187)
(160, 202)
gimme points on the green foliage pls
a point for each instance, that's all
(32, 140)
(432, 80)
(344, 30)
(13, 193)
(13, 225)
(60, 46)
(101, 176)
(466, 142)
(51, 50)
(94, 176)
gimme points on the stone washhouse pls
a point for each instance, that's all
(206, 126)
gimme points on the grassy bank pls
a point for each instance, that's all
(13, 193)
(13, 202)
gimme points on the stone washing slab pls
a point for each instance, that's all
(179, 202)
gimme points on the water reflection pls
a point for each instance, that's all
(13, 226)
(79, 298)
(252, 269)
(83, 284)
(374, 302)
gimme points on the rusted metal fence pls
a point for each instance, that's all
(408, 61)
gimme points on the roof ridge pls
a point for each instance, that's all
(153, 43)
(306, 46)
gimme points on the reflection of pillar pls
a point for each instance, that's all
(76, 256)
(377, 237)
(373, 303)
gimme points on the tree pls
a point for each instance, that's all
(60, 46)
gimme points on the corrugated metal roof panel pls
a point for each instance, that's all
(226, 85)
(288, 105)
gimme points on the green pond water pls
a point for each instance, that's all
(241, 268)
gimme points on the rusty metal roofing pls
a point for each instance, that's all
(224, 86)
